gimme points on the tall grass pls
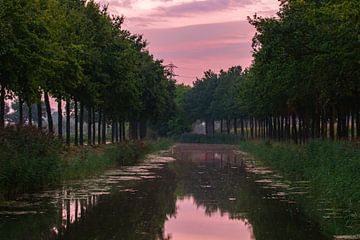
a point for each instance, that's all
(333, 168)
(93, 160)
(31, 159)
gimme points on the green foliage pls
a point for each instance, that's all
(305, 61)
(75, 50)
(214, 96)
(177, 122)
(29, 159)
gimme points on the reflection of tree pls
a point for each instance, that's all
(139, 215)
(216, 178)
(28, 226)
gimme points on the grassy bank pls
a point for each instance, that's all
(32, 160)
(332, 168)
(87, 161)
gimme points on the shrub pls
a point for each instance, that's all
(29, 158)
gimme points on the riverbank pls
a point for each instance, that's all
(331, 170)
(32, 160)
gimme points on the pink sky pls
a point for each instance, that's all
(195, 35)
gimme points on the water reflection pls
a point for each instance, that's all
(217, 180)
(193, 222)
(206, 194)
(126, 203)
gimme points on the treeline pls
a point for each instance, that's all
(75, 52)
(304, 81)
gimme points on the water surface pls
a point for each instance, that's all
(207, 193)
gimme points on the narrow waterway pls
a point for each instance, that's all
(191, 192)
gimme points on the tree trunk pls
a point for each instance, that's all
(252, 127)
(93, 127)
(81, 140)
(255, 128)
(48, 112)
(2, 107)
(123, 131)
(21, 112)
(332, 124)
(39, 114)
(228, 126)
(99, 126)
(89, 126)
(206, 127)
(120, 132)
(242, 128)
(294, 129)
(134, 130)
(221, 126)
(143, 129)
(104, 128)
(347, 126)
(76, 122)
(67, 109)
(358, 124)
(235, 126)
(353, 125)
(116, 131)
(60, 119)
(113, 132)
(30, 113)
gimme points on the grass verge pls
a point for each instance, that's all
(31, 159)
(87, 161)
(332, 168)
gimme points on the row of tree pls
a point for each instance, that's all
(73, 51)
(304, 81)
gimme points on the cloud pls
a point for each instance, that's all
(204, 6)
(199, 47)
(195, 35)
(120, 3)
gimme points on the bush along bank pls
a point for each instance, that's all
(32, 160)
(332, 170)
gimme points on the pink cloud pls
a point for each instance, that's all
(195, 35)
(197, 48)
(196, 7)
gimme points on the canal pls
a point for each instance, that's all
(204, 192)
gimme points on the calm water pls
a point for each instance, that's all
(206, 194)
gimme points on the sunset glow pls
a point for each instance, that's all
(195, 35)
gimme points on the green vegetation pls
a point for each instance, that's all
(94, 160)
(31, 159)
(331, 168)
(304, 80)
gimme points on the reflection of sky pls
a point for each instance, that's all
(195, 35)
(191, 222)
